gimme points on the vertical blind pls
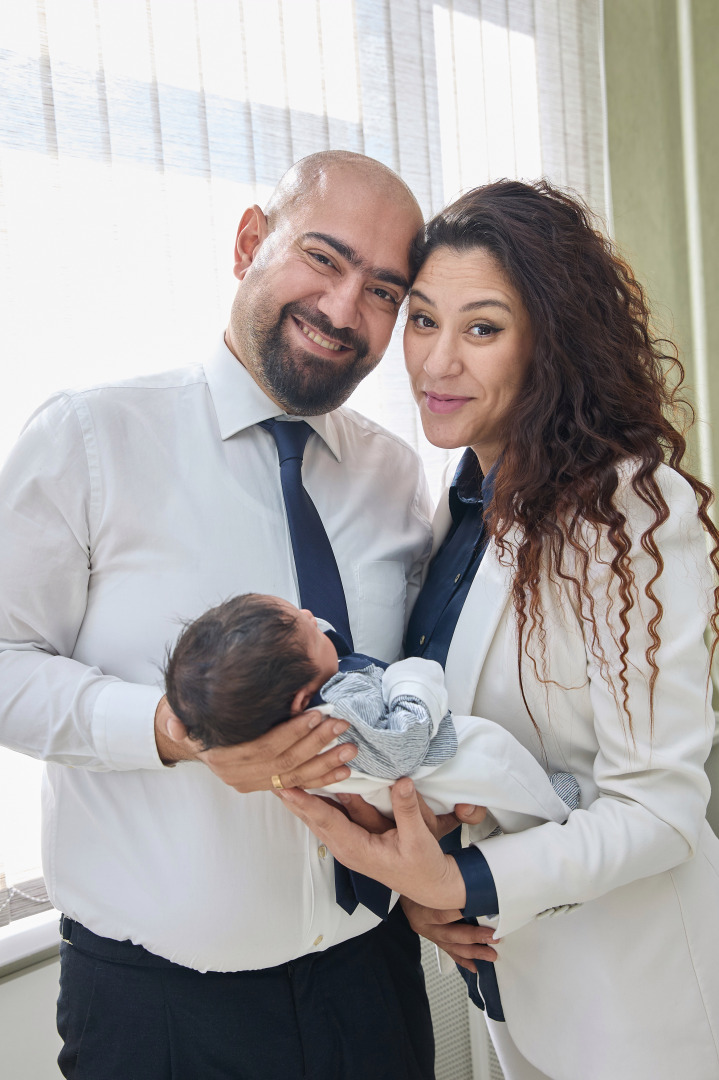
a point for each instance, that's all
(134, 132)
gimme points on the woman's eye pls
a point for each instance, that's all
(422, 322)
(483, 330)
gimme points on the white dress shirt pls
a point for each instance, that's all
(125, 510)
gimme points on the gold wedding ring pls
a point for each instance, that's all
(277, 783)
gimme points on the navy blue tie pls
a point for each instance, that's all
(321, 591)
(318, 577)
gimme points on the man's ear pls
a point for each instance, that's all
(300, 701)
(251, 232)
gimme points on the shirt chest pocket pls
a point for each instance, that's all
(381, 598)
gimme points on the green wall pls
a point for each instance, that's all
(651, 201)
(659, 193)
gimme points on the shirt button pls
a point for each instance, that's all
(322, 851)
(421, 640)
(318, 940)
(457, 578)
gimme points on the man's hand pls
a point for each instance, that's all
(463, 942)
(291, 750)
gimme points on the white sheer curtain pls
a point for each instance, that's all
(134, 132)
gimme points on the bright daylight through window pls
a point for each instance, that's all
(133, 134)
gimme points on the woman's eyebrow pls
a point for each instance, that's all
(485, 303)
(471, 306)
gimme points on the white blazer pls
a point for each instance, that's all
(609, 957)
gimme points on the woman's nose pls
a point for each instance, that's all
(443, 358)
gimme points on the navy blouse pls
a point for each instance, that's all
(429, 634)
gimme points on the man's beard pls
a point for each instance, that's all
(300, 381)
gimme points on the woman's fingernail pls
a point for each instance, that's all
(340, 727)
(347, 752)
(314, 721)
(342, 774)
(343, 797)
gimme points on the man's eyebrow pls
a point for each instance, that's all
(471, 306)
(355, 259)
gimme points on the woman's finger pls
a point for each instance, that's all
(468, 964)
(460, 939)
(446, 823)
(443, 917)
(364, 814)
(469, 814)
(327, 822)
(405, 804)
(470, 952)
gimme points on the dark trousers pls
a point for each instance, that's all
(356, 1011)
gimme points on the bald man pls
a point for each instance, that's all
(201, 934)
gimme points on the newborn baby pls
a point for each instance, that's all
(256, 660)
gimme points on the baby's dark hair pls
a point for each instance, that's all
(233, 672)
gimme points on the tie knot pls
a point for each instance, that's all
(290, 437)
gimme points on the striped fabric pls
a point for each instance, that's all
(392, 741)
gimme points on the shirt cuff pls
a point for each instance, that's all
(124, 722)
(478, 880)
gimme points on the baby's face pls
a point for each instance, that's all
(320, 649)
(317, 645)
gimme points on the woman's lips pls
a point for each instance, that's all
(443, 403)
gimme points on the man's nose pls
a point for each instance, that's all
(341, 303)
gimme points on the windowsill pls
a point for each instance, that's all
(29, 941)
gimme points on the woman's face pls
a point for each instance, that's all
(467, 347)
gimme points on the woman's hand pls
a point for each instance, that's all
(465, 943)
(439, 825)
(407, 858)
(290, 751)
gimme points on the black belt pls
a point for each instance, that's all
(118, 952)
(125, 952)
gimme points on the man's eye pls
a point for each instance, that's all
(385, 295)
(323, 260)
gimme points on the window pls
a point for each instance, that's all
(133, 134)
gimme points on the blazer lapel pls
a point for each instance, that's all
(483, 608)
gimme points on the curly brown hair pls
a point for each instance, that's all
(600, 390)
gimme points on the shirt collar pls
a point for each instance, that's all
(240, 403)
(469, 486)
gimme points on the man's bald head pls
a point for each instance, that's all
(322, 275)
(312, 176)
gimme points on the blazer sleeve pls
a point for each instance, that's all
(653, 790)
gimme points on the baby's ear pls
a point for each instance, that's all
(300, 701)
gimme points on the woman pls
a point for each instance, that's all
(569, 596)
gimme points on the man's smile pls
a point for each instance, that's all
(319, 339)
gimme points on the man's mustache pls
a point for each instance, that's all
(320, 322)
